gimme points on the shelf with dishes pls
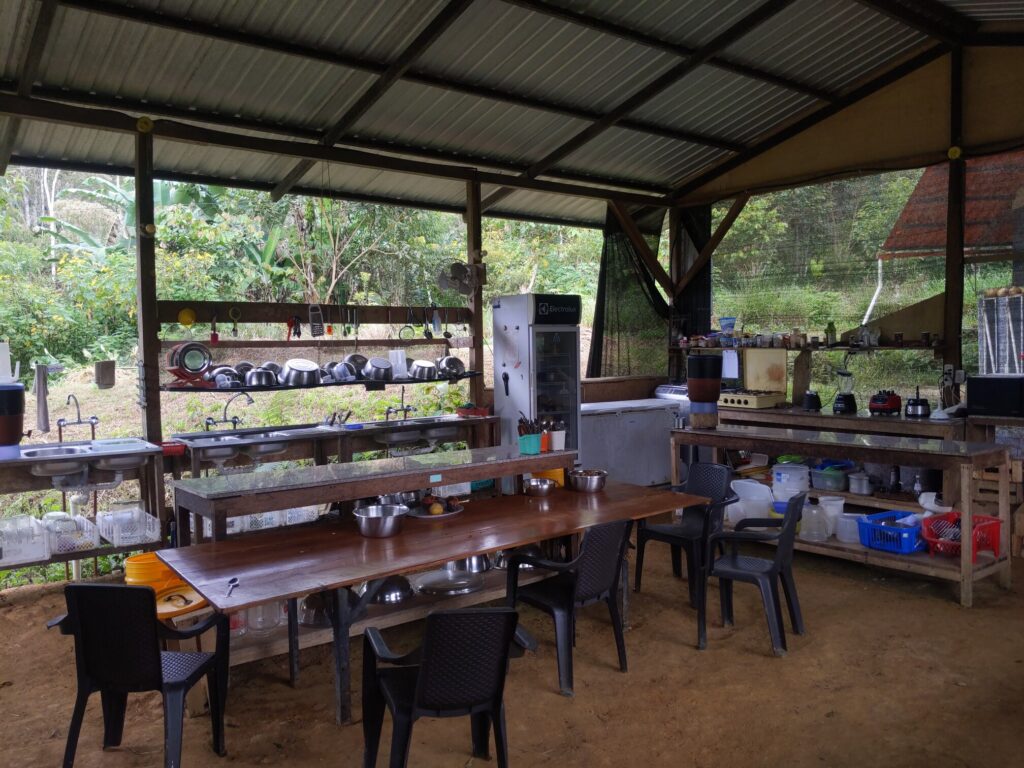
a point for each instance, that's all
(369, 384)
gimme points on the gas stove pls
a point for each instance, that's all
(750, 398)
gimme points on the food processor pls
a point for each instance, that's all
(845, 402)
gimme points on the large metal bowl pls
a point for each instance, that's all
(395, 589)
(344, 372)
(450, 367)
(300, 373)
(422, 370)
(539, 486)
(474, 564)
(380, 521)
(587, 480)
(377, 369)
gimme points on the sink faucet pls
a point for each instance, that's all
(405, 410)
(234, 421)
(336, 418)
(63, 423)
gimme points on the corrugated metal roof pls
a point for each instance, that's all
(697, 102)
(989, 10)
(495, 44)
(829, 43)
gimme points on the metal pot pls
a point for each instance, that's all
(422, 370)
(395, 589)
(860, 483)
(260, 377)
(474, 564)
(357, 361)
(244, 367)
(450, 367)
(377, 369)
(344, 372)
(380, 521)
(587, 480)
(269, 365)
(298, 372)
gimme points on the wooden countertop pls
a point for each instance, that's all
(914, 451)
(862, 421)
(292, 562)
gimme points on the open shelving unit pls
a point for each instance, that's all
(372, 385)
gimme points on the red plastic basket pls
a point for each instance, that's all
(987, 530)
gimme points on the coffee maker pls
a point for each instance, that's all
(845, 402)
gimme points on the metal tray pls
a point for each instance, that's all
(446, 583)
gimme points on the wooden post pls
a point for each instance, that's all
(149, 341)
(474, 246)
(952, 353)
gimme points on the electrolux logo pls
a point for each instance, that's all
(544, 309)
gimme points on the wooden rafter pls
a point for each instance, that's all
(363, 64)
(930, 17)
(637, 239)
(28, 68)
(716, 238)
(191, 134)
(437, 27)
(623, 32)
(720, 42)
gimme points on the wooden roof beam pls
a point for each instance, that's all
(28, 68)
(720, 42)
(412, 75)
(54, 112)
(636, 36)
(930, 17)
(437, 26)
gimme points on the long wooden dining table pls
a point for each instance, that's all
(330, 555)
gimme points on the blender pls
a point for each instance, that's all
(845, 402)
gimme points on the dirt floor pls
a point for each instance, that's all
(892, 672)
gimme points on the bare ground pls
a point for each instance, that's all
(892, 672)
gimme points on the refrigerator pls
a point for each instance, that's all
(537, 362)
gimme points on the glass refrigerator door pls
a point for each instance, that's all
(557, 377)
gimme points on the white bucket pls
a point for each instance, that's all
(755, 500)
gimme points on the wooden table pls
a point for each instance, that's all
(219, 497)
(957, 459)
(331, 555)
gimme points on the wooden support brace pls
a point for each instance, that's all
(716, 238)
(637, 239)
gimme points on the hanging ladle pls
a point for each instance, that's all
(409, 320)
(447, 334)
(427, 333)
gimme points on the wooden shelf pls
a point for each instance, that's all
(88, 554)
(284, 388)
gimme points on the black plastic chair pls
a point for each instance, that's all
(459, 670)
(117, 652)
(690, 535)
(766, 574)
(592, 577)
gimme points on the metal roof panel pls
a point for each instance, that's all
(989, 10)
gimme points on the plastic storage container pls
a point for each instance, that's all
(902, 540)
(755, 501)
(23, 539)
(942, 534)
(833, 508)
(848, 528)
(814, 524)
(122, 527)
(71, 534)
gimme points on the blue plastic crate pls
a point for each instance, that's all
(902, 541)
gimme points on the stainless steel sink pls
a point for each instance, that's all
(218, 447)
(440, 433)
(57, 460)
(119, 463)
(270, 443)
(399, 438)
(436, 419)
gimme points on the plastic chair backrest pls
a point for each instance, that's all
(600, 558)
(709, 480)
(117, 646)
(794, 511)
(464, 658)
